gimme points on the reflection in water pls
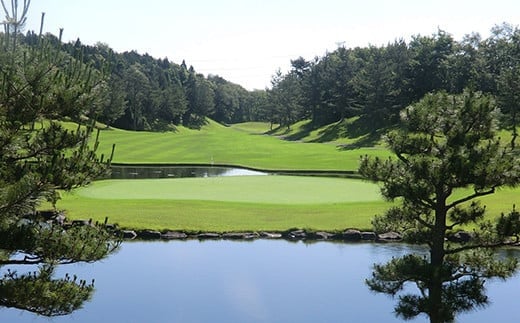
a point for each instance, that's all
(443, 290)
(38, 292)
(143, 172)
(32, 249)
(259, 281)
(456, 286)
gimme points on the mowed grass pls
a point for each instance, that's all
(229, 203)
(250, 189)
(242, 203)
(217, 144)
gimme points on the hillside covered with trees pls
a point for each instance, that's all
(139, 92)
(376, 83)
(371, 84)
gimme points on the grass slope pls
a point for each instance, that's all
(228, 145)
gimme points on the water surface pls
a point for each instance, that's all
(141, 172)
(260, 281)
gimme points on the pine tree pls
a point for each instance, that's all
(446, 147)
(39, 87)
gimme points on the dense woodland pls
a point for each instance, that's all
(376, 83)
(373, 83)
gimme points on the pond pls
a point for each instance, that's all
(123, 171)
(141, 172)
(259, 281)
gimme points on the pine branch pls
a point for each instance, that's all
(25, 261)
(483, 246)
(470, 197)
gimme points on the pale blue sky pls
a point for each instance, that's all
(246, 41)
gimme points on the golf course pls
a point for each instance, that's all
(237, 203)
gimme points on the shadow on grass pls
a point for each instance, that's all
(361, 130)
(292, 134)
(302, 132)
(367, 133)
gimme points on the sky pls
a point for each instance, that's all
(247, 41)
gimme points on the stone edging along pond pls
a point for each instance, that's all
(295, 234)
(348, 235)
(292, 235)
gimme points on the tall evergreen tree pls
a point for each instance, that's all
(448, 156)
(429, 57)
(201, 100)
(509, 100)
(286, 99)
(39, 84)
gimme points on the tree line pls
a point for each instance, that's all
(140, 92)
(371, 83)
(376, 83)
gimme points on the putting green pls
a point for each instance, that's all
(254, 189)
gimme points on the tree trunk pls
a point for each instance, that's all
(437, 253)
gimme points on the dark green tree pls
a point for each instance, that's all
(381, 85)
(447, 156)
(138, 95)
(509, 100)
(39, 86)
(286, 99)
(334, 97)
(227, 101)
(201, 100)
(464, 65)
(429, 69)
(113, 104)
(257, 103)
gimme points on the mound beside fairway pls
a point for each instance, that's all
(251, 189)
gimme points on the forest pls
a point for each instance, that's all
(371, 84)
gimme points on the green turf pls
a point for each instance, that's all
(251, 189)
(218, 144)
(229, 203)
(222, 216)
(257, 128)
(241, 203)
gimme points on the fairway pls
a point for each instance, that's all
(217, 144)
(250, 189)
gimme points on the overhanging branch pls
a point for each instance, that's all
(471, 197)
(483, 246)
